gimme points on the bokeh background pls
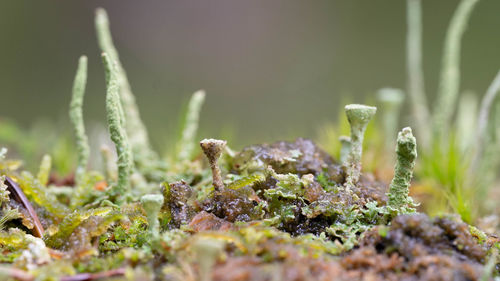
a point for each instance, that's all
(271, 69)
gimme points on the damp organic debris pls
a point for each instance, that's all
(287, 210)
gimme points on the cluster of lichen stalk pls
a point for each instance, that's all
(406, 150)
(134, 152)
(476, 123)
(126, 131)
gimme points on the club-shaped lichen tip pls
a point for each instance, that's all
(152, 204)
(213, 148)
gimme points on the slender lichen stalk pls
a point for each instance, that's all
(207, 252)
(213, 149)
(135, 128)
(390, 100)
(44, 170)
(108, 163)
(345, 149)
(358, 116)
(450, 70)
(466, 120)
(406, 151)
(76, 117)
(483, 120)
(187, 142)
(415, 73)
(152, 204)
(116, 125)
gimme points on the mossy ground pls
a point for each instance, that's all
(280, 211)
(284, 213)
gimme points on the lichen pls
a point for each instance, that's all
(76, 117)
(213, 150)
(152, 204)
(44, 170)
(399, 188)
(187, 142)
(139, 139)
(116, 125)
(358, 116)
(285, 209)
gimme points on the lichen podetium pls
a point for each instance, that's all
(116, 125)
(358, 116)
(152, 204)
(186, 144)
(139, 139)
(76, 117)
(399, 189)
(213, 149)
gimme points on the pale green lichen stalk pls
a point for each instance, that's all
(139, 139)
(187, 142)
(345, 149)
(76, 117)
(152, 204)
(390, 100)
(406, 151)
(108, 164)
(415, 73)
(213, 149)
(358, 116)
(116, 125)
(449, 84)
(207, 251)
(44, 170)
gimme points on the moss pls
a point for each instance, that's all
(287, 208)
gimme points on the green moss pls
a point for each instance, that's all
(69, 223)
(37, 193)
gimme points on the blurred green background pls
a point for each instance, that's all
(271, 69)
